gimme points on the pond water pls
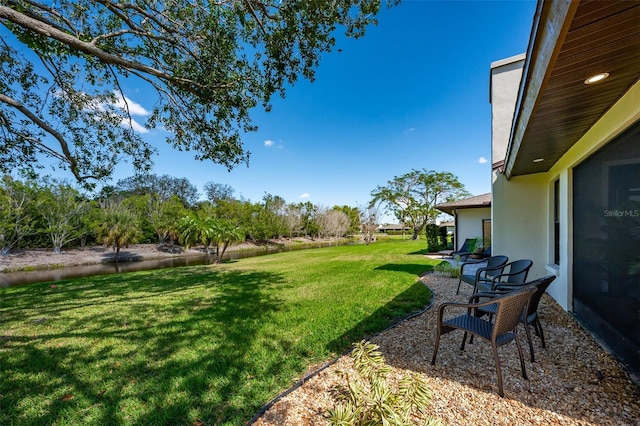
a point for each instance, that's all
(8, 279)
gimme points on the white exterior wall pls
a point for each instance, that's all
(469, 223)
(520, 220)
(522, 214)
(505, 83)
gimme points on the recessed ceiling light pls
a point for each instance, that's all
(538, 160)
(596, 78)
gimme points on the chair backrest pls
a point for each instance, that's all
(541, 285)
(466, 246)
(509, 310)
(497, 261)
(518, 271)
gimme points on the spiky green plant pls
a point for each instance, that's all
(371, 400)
(118, 229)
(446, 268)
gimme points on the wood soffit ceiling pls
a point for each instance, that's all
(594, 36)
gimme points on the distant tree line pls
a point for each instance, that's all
(45, 212)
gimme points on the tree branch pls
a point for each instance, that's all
(44, 29)
(66, 154)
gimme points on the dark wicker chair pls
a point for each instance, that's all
(518, 271)
(493, 266)
(509, 308)
(531, 316)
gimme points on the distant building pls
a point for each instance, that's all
(471, 218)
(393, 228)
(450, 225)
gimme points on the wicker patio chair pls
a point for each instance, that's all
(531, 316)
(518, 271)
(494, 266)
(509, 308)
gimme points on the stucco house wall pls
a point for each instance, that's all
(572, 153)
(523, 206)
(505, 81)
(520, 228)
(469, 223)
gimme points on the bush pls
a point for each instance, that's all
(444, 240)
(433, 232)
(370, 400)
(446, 268)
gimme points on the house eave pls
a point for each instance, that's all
(550, 26)
(570, 41)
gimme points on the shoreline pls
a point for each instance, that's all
(24, 260)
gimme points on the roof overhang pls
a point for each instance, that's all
(571, 41)
(476, 202)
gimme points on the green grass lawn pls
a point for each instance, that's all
(208, 344)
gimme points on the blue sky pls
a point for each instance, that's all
(412, 93)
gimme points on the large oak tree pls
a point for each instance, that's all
(413, 196)
(64, 66)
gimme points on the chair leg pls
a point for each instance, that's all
(464, 339)
(498, 370)
(524, 370)
(435, 348)
(459, 282)
(526, 329)
(538, 326)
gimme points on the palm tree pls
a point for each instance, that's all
(118, 229)
(225, 234)
(196, 229)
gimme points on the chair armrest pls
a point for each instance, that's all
(469, 306)
(487, 295)
(494, 268)
(479, 271)
(508, 287)
(470, 262)
(497, 279)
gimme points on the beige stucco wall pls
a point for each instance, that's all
(505, 83)
(469, 223)
(519, 219)
(522, 206)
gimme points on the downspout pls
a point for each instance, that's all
(455, 230)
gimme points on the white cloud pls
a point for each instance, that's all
(482, 160)
(137, 127)
(273, 144)
(305, 195)
(133, 107)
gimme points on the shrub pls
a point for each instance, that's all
(433, 232)
(444, 241)
(446, 268)
(370, 400)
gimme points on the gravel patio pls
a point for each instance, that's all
(573, 381)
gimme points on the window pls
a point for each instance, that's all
(486, 232)
(556, 222)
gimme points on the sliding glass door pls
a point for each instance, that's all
(606, 244)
